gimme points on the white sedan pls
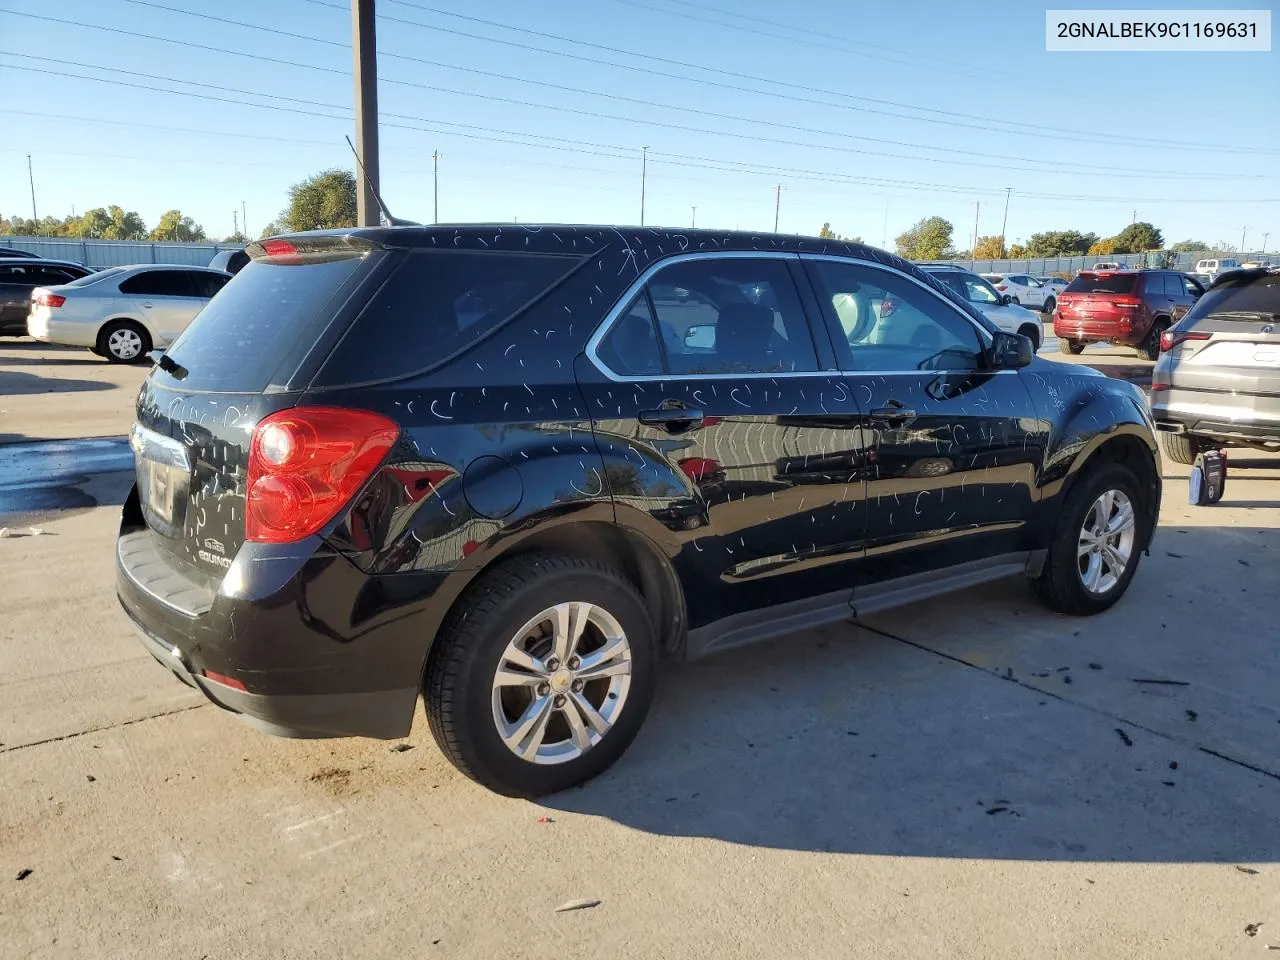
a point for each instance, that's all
(1025, 290)
(122, 313)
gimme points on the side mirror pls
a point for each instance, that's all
(1006, 299)
(1010, 351)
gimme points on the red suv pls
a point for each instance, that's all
(1129, 307)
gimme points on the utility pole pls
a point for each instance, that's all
(1135, 218)
(644, 172)
(694, 220)
(31, 178)
(973, 250)
(235, 224)
(884, 229)
(1243, 231)
(364, 56)
(435, 186)
(1264, 242)
(777, 207)
(1005, 222)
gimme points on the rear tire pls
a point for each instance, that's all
(502, 631)
(1073, 347)
(1061, 585)
(1049, 306)
(123, 341)
(1181, 447)
(1150, 348)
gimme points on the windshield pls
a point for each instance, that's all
(1256, 294)
(974, 289)
(95, 277)
(1103, 283)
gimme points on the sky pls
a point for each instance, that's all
(867, 116)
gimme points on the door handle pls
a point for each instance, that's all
(894, 412)
(148, 305)
(672, 418)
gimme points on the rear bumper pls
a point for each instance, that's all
(1092, 329)
(306, 672)
(1181, 411)
(42, 327)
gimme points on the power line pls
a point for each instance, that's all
(575, 145)
(1085, 169)
(1043, 130)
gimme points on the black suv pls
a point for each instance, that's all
(19, 276)
(507, 468)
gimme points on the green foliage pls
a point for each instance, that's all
(1060, 243)
(1017, 251)
(174, 226)
(321, 202)
(1102, 248)
(1138, 238)
(44, 227)
(989, 248)
(237, 237)
(826, 233)
(928, 239)
(1189, 246)
(109, 223)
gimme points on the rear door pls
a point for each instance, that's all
(722, 420)
(955, 447)
(166, 299)
(248, 355)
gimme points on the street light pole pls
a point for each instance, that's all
(1265, 236)
(364, 54)
(644, 172)
(1243, 231)
(694, 220)
(435, 186)
(244, 219)
(973, 250)
(1005, 222)
(777, 207)
(31, 178)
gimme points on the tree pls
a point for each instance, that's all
(92, 225)
(989, 248)
(1189, 246)
(270, 230)
(322, 202)
(1018, 251)
(1060, 243)
(174, 226)
(237, 237)
(928, 239)
(826, 233)
(1138, 238)
(1102, 248)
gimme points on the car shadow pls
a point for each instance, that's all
(848, 740)
(15, 383)
(41, 479)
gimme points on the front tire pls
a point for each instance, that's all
(123, 341)
(543, 678)
(1073, 347)
(1097, 542)
(1032, 334)
(1181, 447)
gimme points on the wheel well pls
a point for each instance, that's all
(631, 554)
(1137, 456)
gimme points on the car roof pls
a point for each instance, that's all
(38, 261)
(167, 266)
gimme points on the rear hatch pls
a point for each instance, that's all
(1227, 348)
(1100, 299)
(248, 354)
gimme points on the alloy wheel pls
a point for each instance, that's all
(124, 343)
(561, 683)
(1106, 541)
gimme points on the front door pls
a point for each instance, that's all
(722, 433)
(956, 445)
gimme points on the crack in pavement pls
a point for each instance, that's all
(109, 726)
(1274, 775)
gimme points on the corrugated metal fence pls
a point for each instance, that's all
(117, 253)
(1042, 266)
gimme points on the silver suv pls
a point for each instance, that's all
(1217, 382)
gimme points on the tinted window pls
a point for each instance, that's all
(268, 313)
(1247, 292)
(158, 283)
(1103, 283)
(631, 347)
(206, 284)
(729, 315)
(1191, 288)
(95, 277)
(971, 288)
(436, 304)
(887, 322)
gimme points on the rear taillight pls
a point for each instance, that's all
(1171, 338)
(1126, 303)
(1001, 287)
(48, 300)
(306, 464)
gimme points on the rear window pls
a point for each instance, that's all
(436, 304)
(1244, 293)
(95, 277)
(1103, 283)
(269, 313)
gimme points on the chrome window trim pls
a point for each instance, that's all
(638, 284)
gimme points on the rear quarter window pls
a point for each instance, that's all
(434, 306)
(1103, 283)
